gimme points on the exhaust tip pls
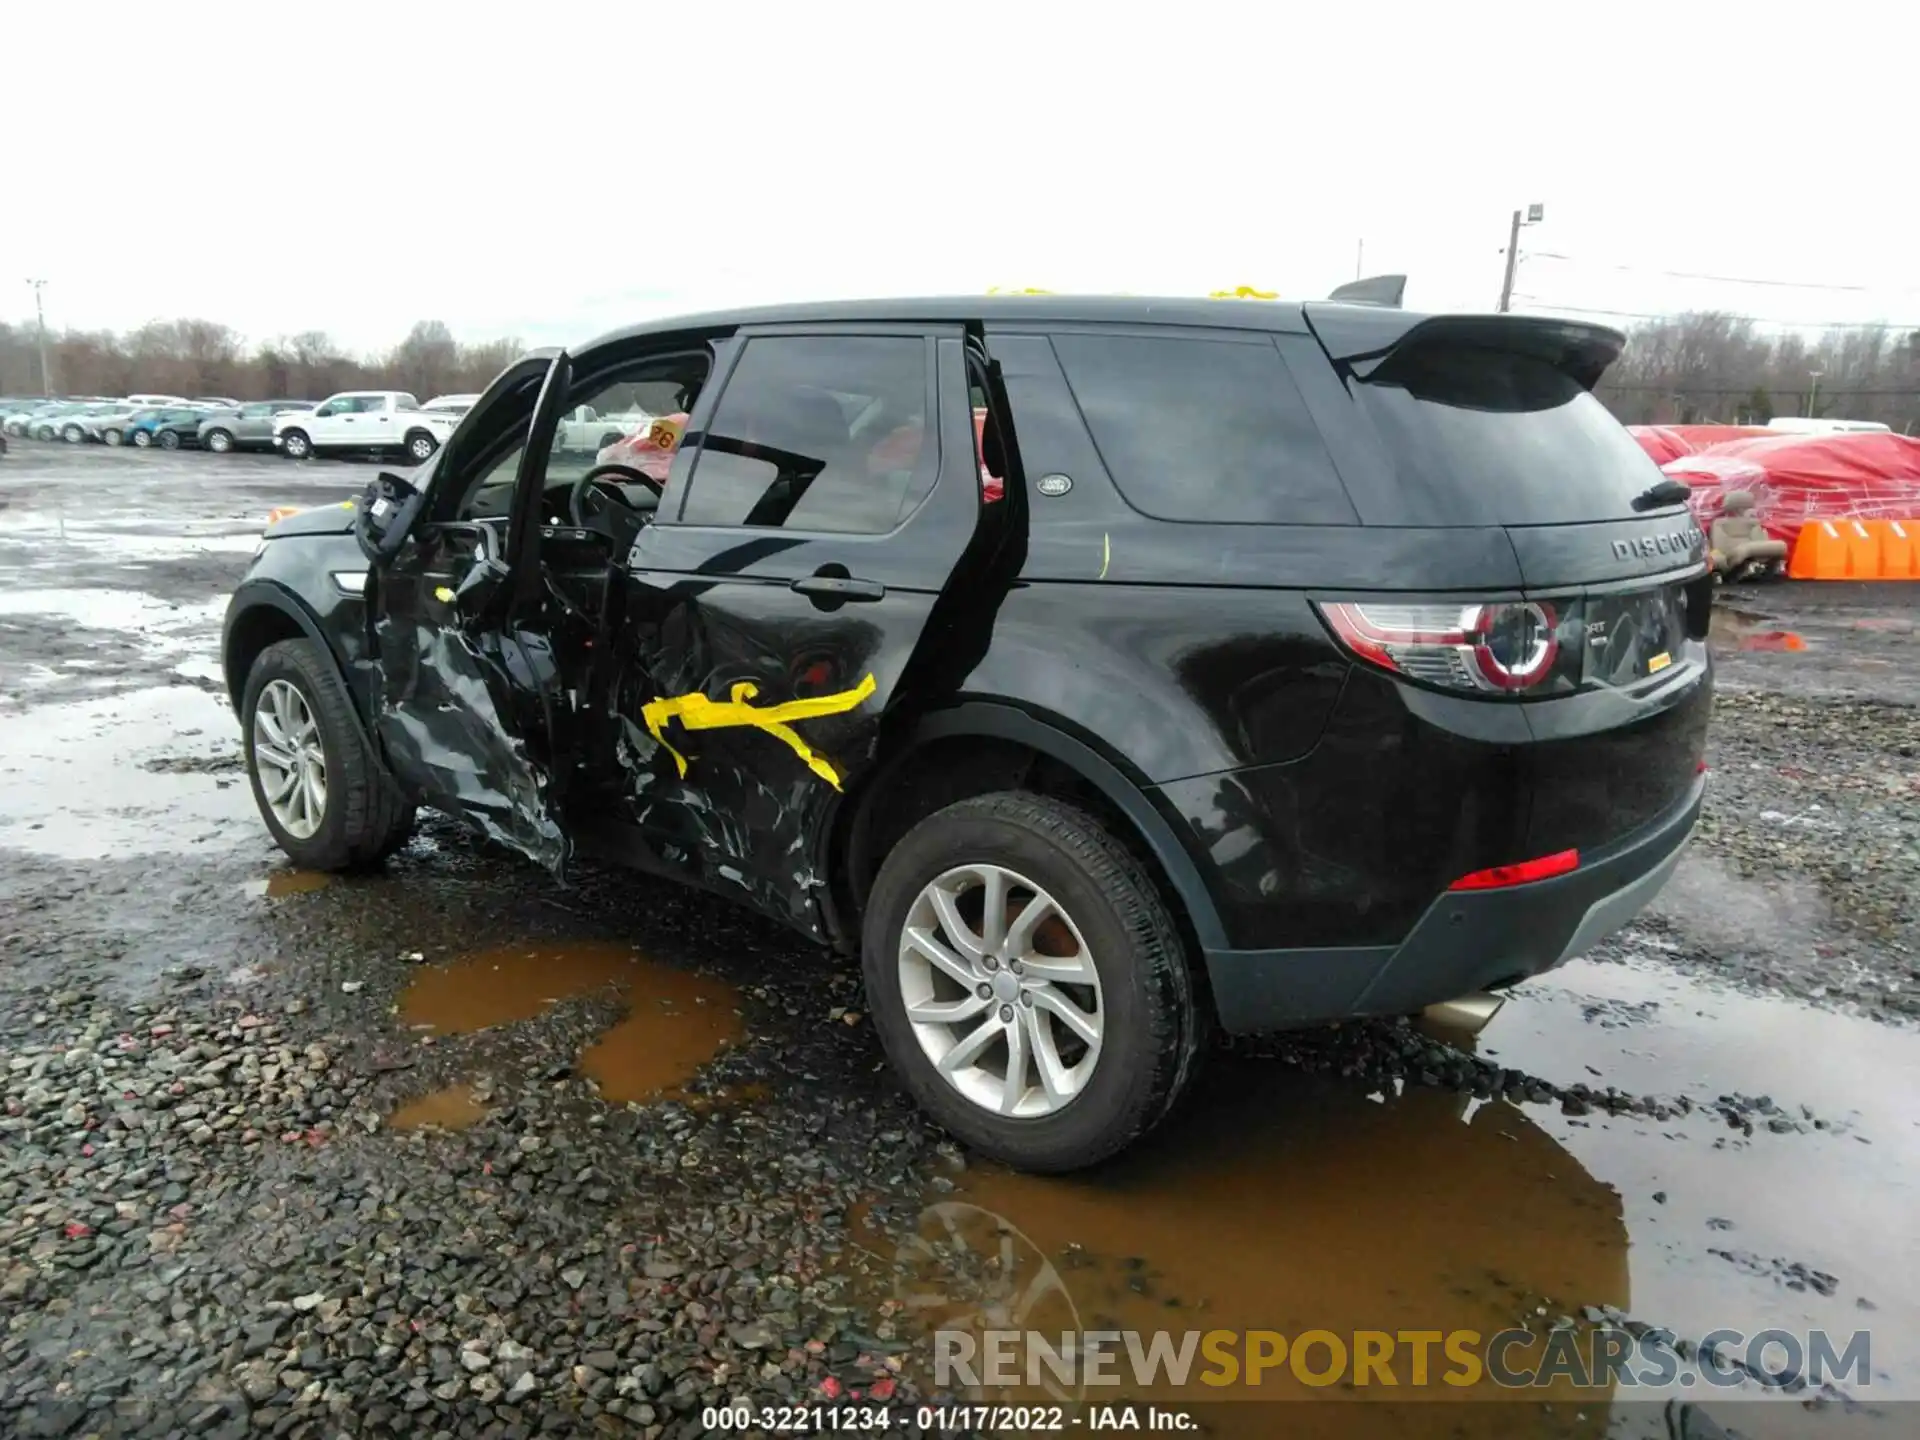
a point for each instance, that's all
(1469, 1013)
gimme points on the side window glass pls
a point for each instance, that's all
(332, 407)
(632, 420)
(1201, 429)
(827, 432)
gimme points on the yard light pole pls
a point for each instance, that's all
(1532, 215)
(40, 311)
(1813, 391)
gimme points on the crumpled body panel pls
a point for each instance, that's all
(441, 726)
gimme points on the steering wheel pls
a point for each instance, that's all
(599, 480)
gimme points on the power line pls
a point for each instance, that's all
(1754, 319)
(1723, 279)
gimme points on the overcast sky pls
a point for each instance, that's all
(554, 170)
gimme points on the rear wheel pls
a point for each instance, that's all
(421, 445)
(323, 793)
(218, 441)
(112, 436)
(168, 440)
(72, 434)
(143, 439)
(1028, 982)
(296, 444)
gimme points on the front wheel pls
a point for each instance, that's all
(1028, 982)
(322, 792)
(296, 444)
(72, 434)
(142, 439)
(169, 440)
(420, 446)
(218, 441)
(112, 436)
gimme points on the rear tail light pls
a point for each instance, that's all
(1498, 647)
(1499, 877)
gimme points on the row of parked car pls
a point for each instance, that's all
(354, 421)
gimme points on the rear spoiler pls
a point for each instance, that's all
(1384, 290)
(1358, 338)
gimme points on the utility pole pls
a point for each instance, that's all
(40, 312)
(1813, 393)
(1359, 257)
(1532, 215)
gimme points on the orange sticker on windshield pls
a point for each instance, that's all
(664, 434)
(1659, 662)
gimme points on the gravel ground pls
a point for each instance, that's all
(209, 1227)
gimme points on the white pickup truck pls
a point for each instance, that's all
(584, 428)
(384, 422)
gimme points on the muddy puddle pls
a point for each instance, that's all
(458, 1107)
(150, 772)
(282, 883)
(1736, 630)
(676, 1021)
(1289, 1202)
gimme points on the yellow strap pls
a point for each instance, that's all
(697, 712)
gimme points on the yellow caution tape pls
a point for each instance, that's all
(697, 712)
(1243, 292)
(444, 595)
(1003, 290)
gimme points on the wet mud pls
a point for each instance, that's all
(675, 1021)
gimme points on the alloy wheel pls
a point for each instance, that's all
(289, 759)
(1001, 991)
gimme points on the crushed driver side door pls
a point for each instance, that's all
(467, 706)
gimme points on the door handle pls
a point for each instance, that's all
(838, 587)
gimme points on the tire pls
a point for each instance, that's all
(363, 817)
(168, 440)
(220, 442)
(73, 434)
(420, 446)
(111, 436)
(1152, 1028)
(296, 445)
(142, 439)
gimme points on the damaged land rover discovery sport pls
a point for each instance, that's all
(1100, 670)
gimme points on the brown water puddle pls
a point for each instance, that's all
(282, 883)
(454, 1108)
(1288, 1202)
(1738, 631)
(676, 1021)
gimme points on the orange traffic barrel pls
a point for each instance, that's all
(1820, 553)
(1899, 552)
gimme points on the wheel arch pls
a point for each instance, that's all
(262, 614)
(999, 745)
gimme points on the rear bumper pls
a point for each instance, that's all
(1466, 941)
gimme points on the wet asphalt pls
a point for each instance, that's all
(449, 1150)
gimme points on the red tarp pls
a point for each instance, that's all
(1866, 475)
(1670, 442)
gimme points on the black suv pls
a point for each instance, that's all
(1099, 669)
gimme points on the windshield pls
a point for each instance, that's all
(1490, 437)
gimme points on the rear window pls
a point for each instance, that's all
(1200, 429)
(1496, 438)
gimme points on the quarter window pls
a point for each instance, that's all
(823, 432)
(1202, 429)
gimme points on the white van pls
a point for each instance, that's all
(1796, 425)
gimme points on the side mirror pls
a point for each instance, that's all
(384, 517)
